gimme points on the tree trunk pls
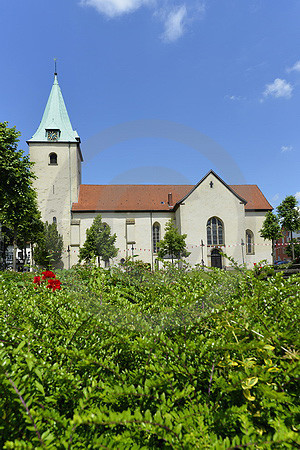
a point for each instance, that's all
(273, 251)
(31, 257)
(293, 247)
(15, 248)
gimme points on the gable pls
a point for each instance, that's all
(218, 179)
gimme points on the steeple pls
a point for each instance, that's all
(55, 124)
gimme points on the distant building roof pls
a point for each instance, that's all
(152, 197)
(55, 117)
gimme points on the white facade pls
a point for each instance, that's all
(209, 207)
(135, 228)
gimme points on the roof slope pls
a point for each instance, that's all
(55, 117)
(152, 197)
(253, 195)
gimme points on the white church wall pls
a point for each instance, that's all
(262, 248)
(202, 204)
(56, 184)
(141, 234)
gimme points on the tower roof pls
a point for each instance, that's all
(55, 117)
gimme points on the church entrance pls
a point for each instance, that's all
(216, 258)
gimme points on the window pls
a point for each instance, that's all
(155, 236)
(249, 243)
(215, 231)
(54, 220)
(53, 158)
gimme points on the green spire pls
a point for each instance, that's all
(55, 117)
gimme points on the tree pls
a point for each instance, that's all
(48, 251)
(271, 230)
(289, 216)
(294, 246)
(173, 243)
(99, 242)
(17, 197)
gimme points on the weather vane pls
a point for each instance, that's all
(55, 70)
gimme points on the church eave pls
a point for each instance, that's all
(121, 210)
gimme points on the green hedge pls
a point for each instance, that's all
(131, 359)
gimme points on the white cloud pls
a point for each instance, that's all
(279, 88)
(113, 8)
(286, 148)
(175, 19)
(297, 195)
(295, 67)
(174, 23)
(234, 98)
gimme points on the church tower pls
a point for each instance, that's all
(55, 151)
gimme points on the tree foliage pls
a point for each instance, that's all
(99, 242)
(289, 216)
(293, 246)
(18, 203)
(271, 229)
(48, 251)
(173, 244)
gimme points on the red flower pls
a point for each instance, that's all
(48, 274)
(53, 284)
(37, 280)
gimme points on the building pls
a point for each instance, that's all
(214, 215)
(282, 244)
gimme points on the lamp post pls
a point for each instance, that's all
(68, 257)
(242, 244)
(202, 260)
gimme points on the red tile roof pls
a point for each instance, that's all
(255, 198)
(151, 197)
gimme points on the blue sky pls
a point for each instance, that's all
(230, 70)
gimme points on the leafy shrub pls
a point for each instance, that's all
(134, 359)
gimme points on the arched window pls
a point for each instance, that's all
(155, 236)
(215, 231)
(249, 242)
(54, 220)
(53, 158)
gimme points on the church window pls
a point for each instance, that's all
(54, 220)
(53, 158)
(249, 242)
(215, 231)
(155, 236)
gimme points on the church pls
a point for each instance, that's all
(217, 218)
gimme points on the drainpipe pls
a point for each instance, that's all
(69, 224)
(151, 242)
